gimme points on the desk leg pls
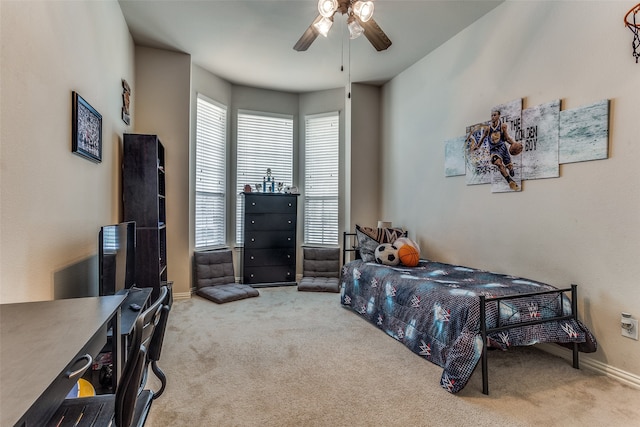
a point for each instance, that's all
(116, 352)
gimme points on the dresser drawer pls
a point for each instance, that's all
(270, 274)
(263, 222)
(269, 203)
(270, 257)
(270, 239)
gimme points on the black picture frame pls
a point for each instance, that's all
(86, 135)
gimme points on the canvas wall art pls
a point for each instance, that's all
(476, 153)
(540, 136)
(505, 132)
(584, 133)
(516, 144)
(454, 157)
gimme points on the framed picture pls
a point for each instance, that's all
(86, 136)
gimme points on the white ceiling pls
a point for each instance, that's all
(250, 42)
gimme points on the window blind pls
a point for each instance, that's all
(211, 171)
(264, 141)
(321, 183)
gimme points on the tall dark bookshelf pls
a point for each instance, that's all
(144, 201)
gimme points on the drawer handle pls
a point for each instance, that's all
(253, 222)
(253, 239)
(289, 204)
(251, 256)
(73, 375)
(253, 203)
(289, 221)
(289, 238)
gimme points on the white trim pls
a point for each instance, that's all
(211, 101)
(627, 378)
(265, 114)
(183, 295)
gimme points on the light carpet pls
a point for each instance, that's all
(290, 358)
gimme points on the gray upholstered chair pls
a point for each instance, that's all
(321, 270)
(215, 278)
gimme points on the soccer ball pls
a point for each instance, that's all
(387, 254)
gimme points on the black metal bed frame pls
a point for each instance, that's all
(484, 301)
(485, 331)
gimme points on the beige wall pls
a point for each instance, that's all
(162, 93)
(583, 227)
(52, 201)
(365, 156)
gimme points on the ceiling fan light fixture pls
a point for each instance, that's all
(363, 10)
(355, 29)
(327, 7)
(323, 26)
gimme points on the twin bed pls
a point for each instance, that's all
(450, 315)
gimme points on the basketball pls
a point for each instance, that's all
(515, 149)
(409, 255)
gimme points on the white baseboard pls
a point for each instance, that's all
(183, 295)
(627, 378)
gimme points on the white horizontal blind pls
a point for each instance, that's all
(264, 141)
(211, 172)
(321, 182)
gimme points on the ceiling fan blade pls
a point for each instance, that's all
(375, 35)
(307, 37)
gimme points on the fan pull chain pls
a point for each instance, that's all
(344, 37)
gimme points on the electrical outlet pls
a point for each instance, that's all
(633, 331)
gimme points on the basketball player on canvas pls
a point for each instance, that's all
(498, 150)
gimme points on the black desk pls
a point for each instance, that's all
(41, 341)
(138, 296)
(128, 318)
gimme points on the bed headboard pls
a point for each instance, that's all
(349, 244)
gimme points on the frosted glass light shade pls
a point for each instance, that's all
(327, 7)
(363, 10)
(355, 29)
(323, 26)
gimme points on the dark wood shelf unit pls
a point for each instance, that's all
(144, 201)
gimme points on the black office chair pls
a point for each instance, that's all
(155, 347)
(130, 405)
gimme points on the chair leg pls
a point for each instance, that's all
(161, 376)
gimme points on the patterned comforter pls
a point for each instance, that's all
(433, 309)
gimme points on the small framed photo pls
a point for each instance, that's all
(86, 137)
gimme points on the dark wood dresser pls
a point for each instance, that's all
(269, 253)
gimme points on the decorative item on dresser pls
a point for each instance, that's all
(143, 194)
(269, 253)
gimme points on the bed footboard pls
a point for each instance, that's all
(485, 331)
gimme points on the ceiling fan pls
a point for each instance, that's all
(359, 20)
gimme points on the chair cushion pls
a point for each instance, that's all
(227, 293)
(321, 262)
(213, 268)
(319, 284)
